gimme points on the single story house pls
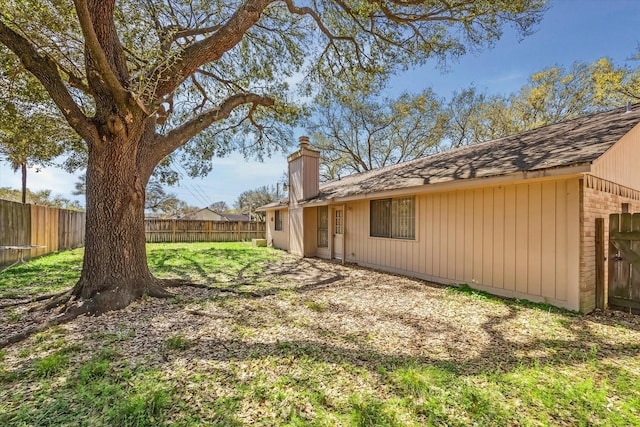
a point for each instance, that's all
(514, 216)
(204, 214)
(234, 217)
(208, 214)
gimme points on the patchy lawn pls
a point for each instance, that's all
(277, 340)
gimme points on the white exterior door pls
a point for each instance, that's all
(338, 233)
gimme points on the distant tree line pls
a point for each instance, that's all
(42, 197)
(362, 131)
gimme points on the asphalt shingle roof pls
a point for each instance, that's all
(573, 142)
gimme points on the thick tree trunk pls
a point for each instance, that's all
(115, 270)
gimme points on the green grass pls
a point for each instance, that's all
(50, 365)
(178, 342)
(316, 306)
(271, 361)
(43, 275)
(517, 303)
(202, 262)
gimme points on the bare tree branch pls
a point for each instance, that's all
(226, 82)
(97, 53)
(210, 48)
(179, 136)
(46, 70)
(332, 37)
(202, 90)
(188, 32)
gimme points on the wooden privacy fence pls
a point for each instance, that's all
(179, 230)
(22, 225)
(624, 260)
(58, 229)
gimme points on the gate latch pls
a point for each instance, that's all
(617, 258)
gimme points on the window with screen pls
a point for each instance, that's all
(278, 221)
(393, 218)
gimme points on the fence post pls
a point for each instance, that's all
(600, 259)
(238, 231)
(173, 231)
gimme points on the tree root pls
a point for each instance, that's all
(174, 283)
(31, 300)
(58, 320)
(70, 307)
(159, 291)
(58, 300)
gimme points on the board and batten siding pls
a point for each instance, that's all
(296, 236)
(620, 163)
(303, 167)
(303, 174)
(517, 240)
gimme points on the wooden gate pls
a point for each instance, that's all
(624, 260)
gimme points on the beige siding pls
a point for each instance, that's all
(304, 174)
(621, 163)
(296, 236)
(520, 239)
(311, 176)
(311, 235)
(278, 238)
(295, 179)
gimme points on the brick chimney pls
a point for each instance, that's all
(304, 173)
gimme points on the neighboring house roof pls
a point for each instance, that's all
(235, 217)
(570, 143)
(195, 214)
(223, 216)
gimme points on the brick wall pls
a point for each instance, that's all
(598, 199)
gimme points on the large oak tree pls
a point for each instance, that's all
(138, 80)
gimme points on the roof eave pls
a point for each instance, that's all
(272, 206)
(574, 170)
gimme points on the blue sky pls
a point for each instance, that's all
(571, 30)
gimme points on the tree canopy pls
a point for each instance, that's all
(359, 132)
(191, 64)
(248, 201)
(32, 130)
